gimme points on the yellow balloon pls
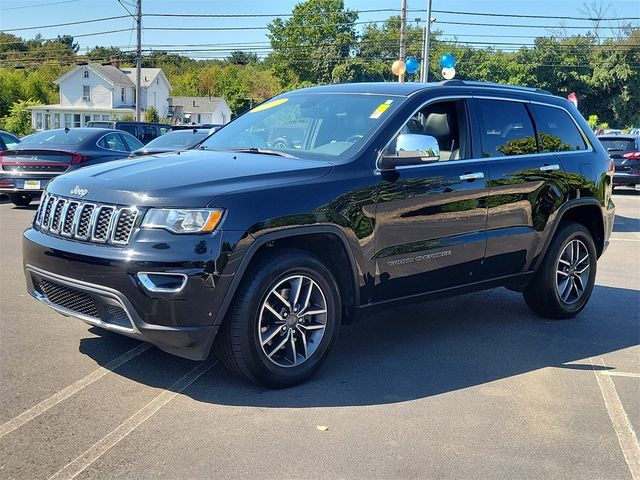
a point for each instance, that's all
(398, 68)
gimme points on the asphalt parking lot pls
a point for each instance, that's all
(469, 387)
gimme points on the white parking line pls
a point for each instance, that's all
(624, 430)
(58, 397)
(613, 373)
(81, 463)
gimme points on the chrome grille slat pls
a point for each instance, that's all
(85, 221)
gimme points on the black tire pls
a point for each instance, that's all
(238, 342)
(541, 295)
(21, 199)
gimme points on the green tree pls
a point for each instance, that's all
(151, 115)
(318, 36)
(18, 120)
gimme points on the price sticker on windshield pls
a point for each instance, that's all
(268, 105)
(377, 113)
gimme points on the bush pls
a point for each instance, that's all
(151, 115)
(19, 119)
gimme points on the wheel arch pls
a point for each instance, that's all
(328, 243)
(587, 212)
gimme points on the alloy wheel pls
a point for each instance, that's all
(293, 320)
(572, 271)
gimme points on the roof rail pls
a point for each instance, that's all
(461, 83)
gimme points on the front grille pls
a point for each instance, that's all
(69, 298)
(86, 221)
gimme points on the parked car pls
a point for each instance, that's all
(143, 131)
(29, 166)
(624, 150)
(174, 140)
(8, 140)
(397, 193)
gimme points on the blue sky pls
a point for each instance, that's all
(26, 13)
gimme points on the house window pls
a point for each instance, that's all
(38, 116)
(86, 93)
(123, 95)
(199, 118)
(106, 117)
(68, 120)
(86, 74)
(56, 120)
(76, 120)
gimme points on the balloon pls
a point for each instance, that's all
(412, 65)
(398, 68)
(448, 73)
(447, 61)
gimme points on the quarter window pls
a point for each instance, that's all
(112, 141)
(556, 131)
(506, 129)
(132, 142)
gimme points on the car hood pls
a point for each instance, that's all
(185, 179)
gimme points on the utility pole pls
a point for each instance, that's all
(138, 59)
(403, 35)
(424, 74)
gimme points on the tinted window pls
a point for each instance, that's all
(148, 133)
(57, 137)
(618, 145)
(506, 129)
(179, 139)
(9, 141)
(556, 130)
(132, 142)
(132, 129)
(112, 141)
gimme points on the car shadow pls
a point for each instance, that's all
(626, 224)
(625, 192)
(426, 349)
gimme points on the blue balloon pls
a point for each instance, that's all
(412, 65)
(447, 61)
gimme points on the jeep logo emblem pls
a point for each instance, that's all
(81, 192)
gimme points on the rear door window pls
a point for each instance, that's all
(506, 129)
(557, 132)
(112, 141)
(148, 133)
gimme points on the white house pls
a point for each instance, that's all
(199, 110)
(101, 92)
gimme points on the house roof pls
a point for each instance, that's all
(148, 75)
(197, 104)
(110, 73)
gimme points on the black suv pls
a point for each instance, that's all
(143, 131)
(394, 193)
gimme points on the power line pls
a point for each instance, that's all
(38, 5)
(80, 22)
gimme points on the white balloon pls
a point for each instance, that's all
(448, 73)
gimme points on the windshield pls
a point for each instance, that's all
(307, 125)
(56, 137)
(178, 139)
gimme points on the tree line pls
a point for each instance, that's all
(321, 43)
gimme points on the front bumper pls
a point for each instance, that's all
(99, 285)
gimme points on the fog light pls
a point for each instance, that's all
(162, 282)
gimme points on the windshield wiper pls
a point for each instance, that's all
(262, 151)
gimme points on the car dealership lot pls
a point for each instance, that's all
(469, 387)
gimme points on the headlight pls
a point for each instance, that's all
(178, 220)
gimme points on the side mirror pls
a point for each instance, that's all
(411, 149)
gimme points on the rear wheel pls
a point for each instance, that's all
(284, 318)
(563, 285)
(21, 199)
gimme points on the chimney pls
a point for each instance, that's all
(115, 62)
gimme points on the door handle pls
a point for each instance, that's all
(550, 168)
(472, 176)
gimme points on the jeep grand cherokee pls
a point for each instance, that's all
(393, 193)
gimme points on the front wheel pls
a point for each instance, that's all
(20, 199)
(283, 320)
(564, 282)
